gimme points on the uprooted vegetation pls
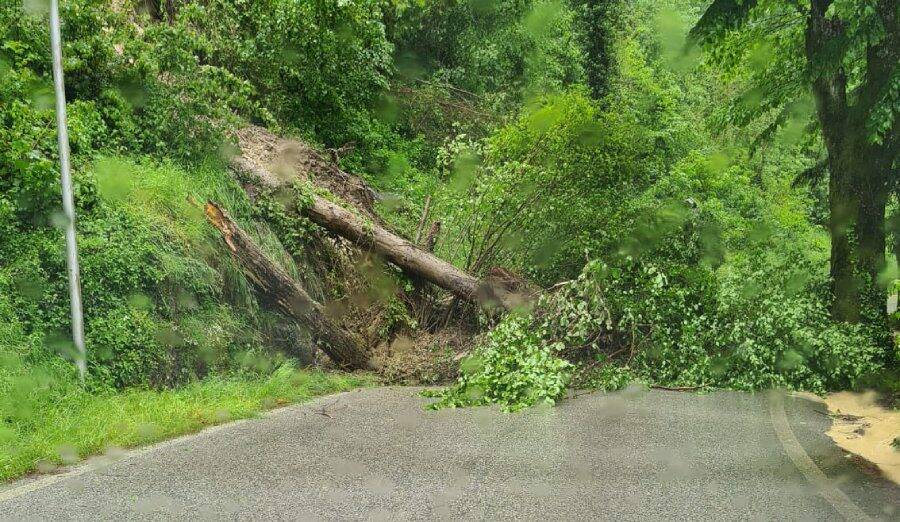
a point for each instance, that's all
(436, 193)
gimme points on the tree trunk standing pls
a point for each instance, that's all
(842, 207)
(858, 202)
(277, 290)
(871, 231)
(859, 167)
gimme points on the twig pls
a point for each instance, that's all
(675, 388)
(326, 411)
(423, 219)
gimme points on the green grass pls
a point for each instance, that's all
(81, 424)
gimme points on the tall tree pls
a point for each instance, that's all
(845, 53)
(599, 20)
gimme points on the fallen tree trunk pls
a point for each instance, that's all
(277, 290)
(413, 260)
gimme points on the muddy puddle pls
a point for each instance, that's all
(862, 426)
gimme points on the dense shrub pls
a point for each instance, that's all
(684, 329)
(140, 88)
(315, 65)
(708, 267)
(124, 349)
(513, 367)
(695, 260)
(637, 321)
(153, 285)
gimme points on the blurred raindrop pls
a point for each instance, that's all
(114, 453)
(148, 431)
(115, 179)
(67, 453)
(464, 167)
(45, 466)
(140, 301)
(633, 391)
(387, 109)
(59, 220)
(409, 66)
(42, 97)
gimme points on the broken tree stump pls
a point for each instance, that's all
(279, 291)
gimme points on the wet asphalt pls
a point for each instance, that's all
(377, 454)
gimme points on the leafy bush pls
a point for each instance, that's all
(677, 330)
(130, 86)
(709, 266)
(124, 350)
(153, 280)
(514, 368)
(535, 195)
(315, 65)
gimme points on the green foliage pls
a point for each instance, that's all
(136, 87)
(600, 21)
(547, 178)
(153, 278)
(513, 368)
(721, 16)
(606, 377)
(27, 173)
(843, 55)
(564, 141)
(124, 349)
(708, 270)
(176, 88)
(396, 317)
(152, 93)
(319, 66)
(505, 50)
(764, 44)
(673, 328)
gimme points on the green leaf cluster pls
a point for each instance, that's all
(513, 368)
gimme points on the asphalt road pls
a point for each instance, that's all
(376, 454)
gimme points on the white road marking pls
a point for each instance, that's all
(801, 459)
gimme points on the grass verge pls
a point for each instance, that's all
(80, 424)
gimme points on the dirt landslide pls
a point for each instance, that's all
(865, 428)
(289, 159)
(403, 349)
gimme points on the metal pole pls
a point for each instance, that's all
(68, 202)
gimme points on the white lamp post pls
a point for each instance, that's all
(68, 201)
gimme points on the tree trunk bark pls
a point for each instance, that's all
(858, 184)
(844, 207)
(412, 259)
(432, 237)
(844, 288)
(278, 291)
(858, 194)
